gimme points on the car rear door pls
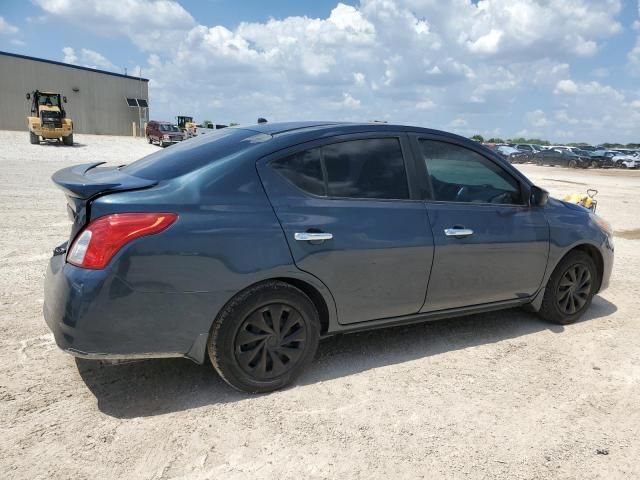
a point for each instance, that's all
(353, 220)
(490, 245)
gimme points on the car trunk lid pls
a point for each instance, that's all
(83, 183)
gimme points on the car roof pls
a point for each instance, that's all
(336, 128)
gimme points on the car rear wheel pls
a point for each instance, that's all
(594, 164)
(570, 289)
(264, 337)
(573, 164)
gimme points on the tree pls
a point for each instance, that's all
(495, 140)
(478, 138)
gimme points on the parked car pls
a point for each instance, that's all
(163, 133)
(202, 129)
(247, 245)
(593, 161)
(508, 153)
(529, 148)
(563, 158)
(625, 161)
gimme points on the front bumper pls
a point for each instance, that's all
(607, 259)
(52, 132)
(94, 314)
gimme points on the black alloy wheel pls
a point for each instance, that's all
(270, 341)
(574, 289)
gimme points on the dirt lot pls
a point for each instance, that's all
(499, 395)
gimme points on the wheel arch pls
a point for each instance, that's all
(584, 247)
(595, 255)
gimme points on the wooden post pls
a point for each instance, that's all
(133, 128)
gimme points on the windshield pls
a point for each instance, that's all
(194, 153)
(165, 127)
(48, 100)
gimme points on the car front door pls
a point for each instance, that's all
(352, 219)
(490, 244)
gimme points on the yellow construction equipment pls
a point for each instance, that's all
(586, 200)
(48, 119)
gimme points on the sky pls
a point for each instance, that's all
(562, 70)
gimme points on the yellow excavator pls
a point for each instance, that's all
(48, 119)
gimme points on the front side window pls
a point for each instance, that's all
(372, 168)
(458, 174)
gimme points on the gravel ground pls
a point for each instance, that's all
(499, 395)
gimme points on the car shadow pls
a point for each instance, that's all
(160, 386)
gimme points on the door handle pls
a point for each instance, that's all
(458, 232)
(310, 236)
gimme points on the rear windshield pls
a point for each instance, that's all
(165, 127)
(194, 153)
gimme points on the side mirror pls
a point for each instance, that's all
(539, 197)
(64, 99)
(28, 96)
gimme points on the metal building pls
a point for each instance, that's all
(98, 102)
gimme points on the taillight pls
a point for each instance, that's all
(102, 238)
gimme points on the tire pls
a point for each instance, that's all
(149, 140)
(539, 162)
(34, 139)
(595, 164)
(565, 300)
(68, 140)
(573, 164)
(244, 347)
(622, 165)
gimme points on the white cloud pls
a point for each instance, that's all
(566, 86)
(6, 28)
(537, 119)
(69, 55)
(425, 105)
(151, 24)
(478, 61)
(349, 102)
(87, 58)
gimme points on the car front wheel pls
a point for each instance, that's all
(264, 337)
(570, 289)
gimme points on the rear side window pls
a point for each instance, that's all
(458, 174)
(194, 153)
(371, 168)
(303, 170)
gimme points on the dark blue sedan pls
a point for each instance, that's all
(248, 245)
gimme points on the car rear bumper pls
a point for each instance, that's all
(94, 314)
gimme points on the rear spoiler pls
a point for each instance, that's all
(76, 182)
